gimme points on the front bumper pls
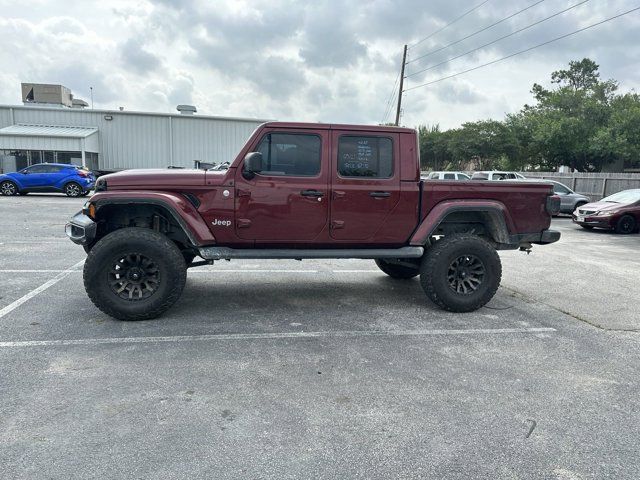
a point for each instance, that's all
(594, 221)
(81, 229)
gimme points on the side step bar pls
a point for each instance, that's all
(225, 253)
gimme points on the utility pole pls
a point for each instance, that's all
(404, 61)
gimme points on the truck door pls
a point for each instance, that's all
(365, 183)
(289, 199)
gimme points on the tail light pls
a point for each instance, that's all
(83, 173)
(553, 204)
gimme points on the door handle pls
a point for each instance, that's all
(379, 194)
(311, 193)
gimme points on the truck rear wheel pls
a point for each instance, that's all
(461, 272)
(134, 274)
(395, 270)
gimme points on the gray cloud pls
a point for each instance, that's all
(135, 56)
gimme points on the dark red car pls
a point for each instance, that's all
(619, 212)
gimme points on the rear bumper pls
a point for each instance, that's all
(81, 229)
(541, 238)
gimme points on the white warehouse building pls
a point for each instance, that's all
(52, 126)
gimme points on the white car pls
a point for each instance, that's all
(497, 175)
(448, 176)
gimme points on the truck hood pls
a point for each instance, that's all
(157, 178)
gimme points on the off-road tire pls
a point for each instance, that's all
(8, 188)
(402, 272)
(165, 255)
(73, 189)
(626, 224)
(435, 270)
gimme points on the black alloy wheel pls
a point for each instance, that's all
(466, 273)
(626, 225)
(134, 277)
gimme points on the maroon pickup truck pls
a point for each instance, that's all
(299, 191)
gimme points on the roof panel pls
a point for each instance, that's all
(48, 131)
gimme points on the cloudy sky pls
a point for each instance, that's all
(329, 61)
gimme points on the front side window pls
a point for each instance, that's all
(36, 169)
(370, 157)
(560, 189)
(449, 176)
(290, 154)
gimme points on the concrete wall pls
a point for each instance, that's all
(146, 140)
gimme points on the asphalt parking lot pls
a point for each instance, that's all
(319, 369)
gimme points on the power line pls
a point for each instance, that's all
(448, 24)
(525, 50)
(499, 39)
(387, 108)
(476, 32)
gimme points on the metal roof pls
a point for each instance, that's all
(131, 112)
(48, 131)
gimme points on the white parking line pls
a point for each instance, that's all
(270, 336)
(218, 270)
(12, 306)
(36, 271)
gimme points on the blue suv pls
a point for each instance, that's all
(72, 180)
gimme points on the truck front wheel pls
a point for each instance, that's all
(134, 274)
(395, 270)
(461, 272)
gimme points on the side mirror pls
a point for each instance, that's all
(252, 165)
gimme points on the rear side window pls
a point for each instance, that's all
(370, 157)
(462, 176)
(449, 176)
(560, 188)
(290, 154)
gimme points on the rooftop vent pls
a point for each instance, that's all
(78, 103)
(186, 109)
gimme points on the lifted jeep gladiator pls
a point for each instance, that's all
(299, 191)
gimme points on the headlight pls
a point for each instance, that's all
(605, 213)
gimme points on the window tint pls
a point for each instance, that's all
(37, 169)
(290, 154)
(560, 188)
(449, 176)
(370, 157)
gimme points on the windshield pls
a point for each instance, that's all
(626, 196)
